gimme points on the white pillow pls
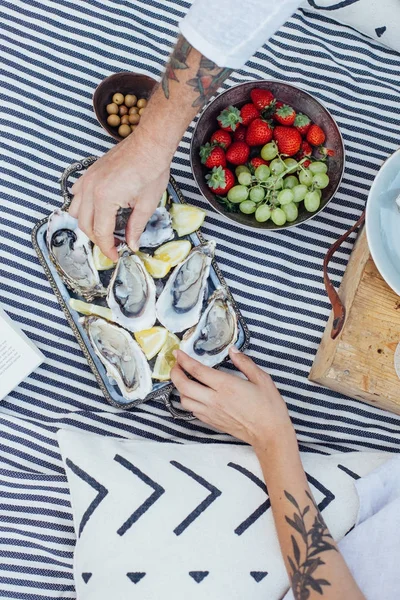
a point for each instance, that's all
(168, 521)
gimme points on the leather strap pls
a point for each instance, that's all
(339, 310)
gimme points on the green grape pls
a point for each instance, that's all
(241, 169)
(269, 151)
(291, 211)
(290, 182)
(262, 173)
(257, 194)
(318, 167)
(291, 165)
(306, 178)
(244, 178)
(312, 201)
(263, 213)
(238, 194)
(248, 207)
(321, 180)
(285, 197)
(278, 216)
(277, 166)
(274, 182)
(299, 192)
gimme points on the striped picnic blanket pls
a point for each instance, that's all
(53, 56)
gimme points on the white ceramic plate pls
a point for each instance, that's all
(383, 221)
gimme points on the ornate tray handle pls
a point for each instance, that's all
(85, 163)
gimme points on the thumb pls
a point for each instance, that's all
(136, 224)
(246, 365)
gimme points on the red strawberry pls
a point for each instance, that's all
(302, 123)
(315, 135)
(285, 115)
(257, 161)
(220, 180)
(222, 138)
(248, 113)
(288, 140)
(326, 151)
(240, 134)
(278, 104)
(258, 132)
(305, 150)
(212, 156)
(262, 98)
(229, 118)
(238, 153)
(306, 163)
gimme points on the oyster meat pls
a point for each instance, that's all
(71, 251)
(121, 356)
(209, 341)
(157, 231)
(131, 293)
(180, 303)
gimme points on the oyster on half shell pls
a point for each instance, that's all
(181, 302)
(157, 231)
(121, 356)
(209, 341)
(71, 252)
(131, 293)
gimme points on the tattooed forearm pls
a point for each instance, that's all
(313, 541)
(177, 61)
(208, 77)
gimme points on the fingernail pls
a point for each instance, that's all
(175, 353)
(235, 350)
(133, 245)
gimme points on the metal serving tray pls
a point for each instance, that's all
(161, 390)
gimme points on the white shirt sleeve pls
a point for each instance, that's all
(229, 32)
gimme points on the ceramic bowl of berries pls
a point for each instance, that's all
(267, 155)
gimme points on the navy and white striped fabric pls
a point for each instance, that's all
(54, 55)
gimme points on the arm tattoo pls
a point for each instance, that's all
(207, 79)
(178, 60)
(316, 540)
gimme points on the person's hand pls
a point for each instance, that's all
(133, 174)
(250, 409)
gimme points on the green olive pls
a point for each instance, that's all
(123, 110)
(124, 130)
(134, 110)
(112, 109)
(125, 120)
(118, 98)
(141, 110)
(134, 119)
(133, 127)
(113, 120)
(142, 103)
(130, 100)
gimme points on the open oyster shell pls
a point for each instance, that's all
(71, 252)
(131, 293)
(157, 231)
(121, 356)
(181, 302)
(209, 341)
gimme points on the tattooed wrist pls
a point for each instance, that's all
(311, 542)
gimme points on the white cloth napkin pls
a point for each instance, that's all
(380, 19)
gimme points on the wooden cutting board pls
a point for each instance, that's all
(360, 363)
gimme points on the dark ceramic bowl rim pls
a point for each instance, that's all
(221, 210)
(96, 92)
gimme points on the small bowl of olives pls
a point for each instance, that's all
(120, 100)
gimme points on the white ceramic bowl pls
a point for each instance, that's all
(383, 221)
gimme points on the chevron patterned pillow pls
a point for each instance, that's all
(191, 521)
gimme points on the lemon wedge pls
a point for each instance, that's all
(156, 267)
(101, 261)
(91, 309)
(173, 252)
(151, 340)
(165, 359)
(164, 199)
(186, 219)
